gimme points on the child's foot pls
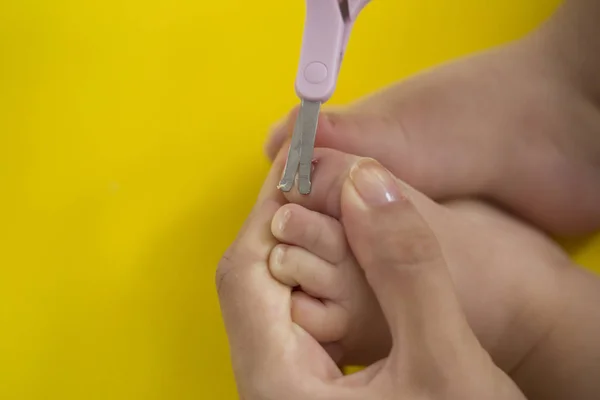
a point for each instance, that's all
(503, 124)
(335, 303)
(505, 273)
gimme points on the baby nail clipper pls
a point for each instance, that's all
(326, 32)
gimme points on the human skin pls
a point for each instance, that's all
(528, 305)
(435, 354)
(273, 356)
(518, 125)
(508, 300)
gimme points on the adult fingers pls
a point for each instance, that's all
(405, 266)
(272, 357)
(254, 306)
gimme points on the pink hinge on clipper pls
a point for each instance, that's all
(326, 33)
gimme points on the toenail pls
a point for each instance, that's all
(287, 214)
(277, 257)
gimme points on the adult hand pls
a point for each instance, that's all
(435, 354)
(511, 124)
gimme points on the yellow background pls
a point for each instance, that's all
(130, 152)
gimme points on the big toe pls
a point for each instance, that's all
(332, 167)
(367, 134)
(325, 320)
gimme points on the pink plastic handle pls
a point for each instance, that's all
(321, 48)
(323, 45)
(356, 7)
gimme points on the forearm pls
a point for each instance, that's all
(566, 363)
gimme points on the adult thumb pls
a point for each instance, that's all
(404, 265)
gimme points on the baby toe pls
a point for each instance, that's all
(326, 320)
(317, 233)
(296, 267)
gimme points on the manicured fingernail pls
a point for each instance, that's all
(375, 184)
